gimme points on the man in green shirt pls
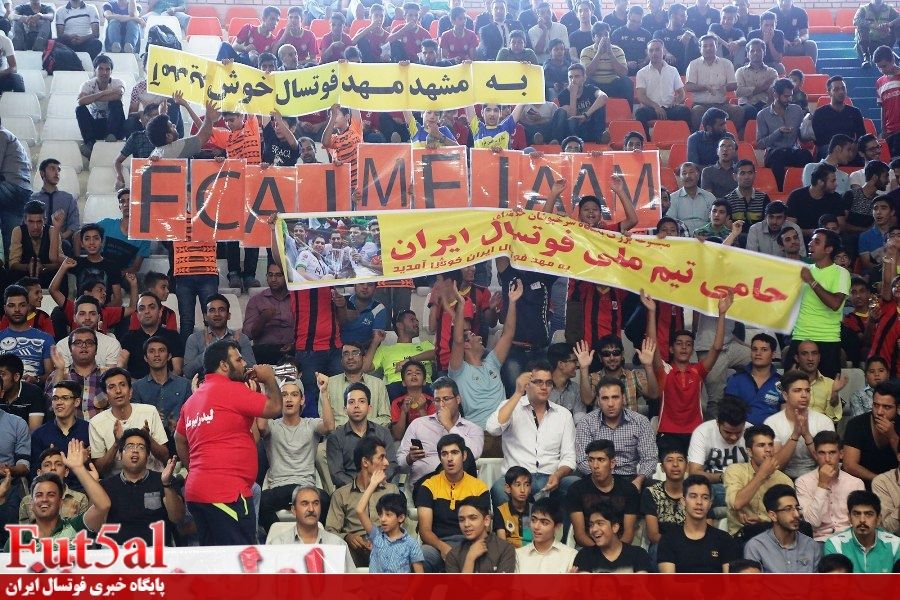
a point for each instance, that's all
(871, 550)
(719, 215)
(390, 358)
(822, 302)
(46, 501)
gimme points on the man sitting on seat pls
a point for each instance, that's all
(100, 113)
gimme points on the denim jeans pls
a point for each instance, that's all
(25, 38)
(433, 561)
(309, 362)
(189, 289)
(12, 210)
(121, 33)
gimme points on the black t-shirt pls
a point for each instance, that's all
(632, 42)
(570, 20)
(30, 401)
(807, 210)
(859, 435)
(777, 41)
(135, 506)
(706, 555)
(632, 559)
(580, 40)
(614, 21)
(698, 23)
(651, 22)
(532, 308)
(276, 151)
(119, 252)
(584, 101)
(683, 54)
(747, 23)
(791, 22)
(584, 495)
(729, 36)
(133, 342)
(859, 208)
(107, 271)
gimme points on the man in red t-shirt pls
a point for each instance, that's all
(406, 39)
(459, 43)
(303, 40)
(886, 339)
(680, 382)
(253, 40)
(887, 90)
(370, 39)
(333, 43)
(213, 440)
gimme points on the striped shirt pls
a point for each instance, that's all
(636, 452)
(603, 310)
(342, 147)
(748, 212)
(315, 326)
(393, 556)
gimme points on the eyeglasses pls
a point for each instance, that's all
(61, 398)
(789, 509)
(275, 275)
(608, 353)
(132, 447)
(351, 353)
(83, 343)
(542, 382)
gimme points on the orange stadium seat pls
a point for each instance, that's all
(237, 23)
(358, 25)
(677, 155)
(804, 63)
(870, 126)
(793, 179)
(618, 129)
(204, 26)
(827, 100)
(666, 133)
(242, 12)
(814, 86)
(844, 19)
(617, 109)
(765, 182)
(750, 132)
(320, 27)
(202, 11)
(821, 21)
(668, 179)
(745, 151)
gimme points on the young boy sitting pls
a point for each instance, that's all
(510, 518)
(545, 555)
(393, 549)
(491, 132)
(482, 551)
(92, 265)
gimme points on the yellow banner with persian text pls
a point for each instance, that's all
(412, 243)
(363, 86)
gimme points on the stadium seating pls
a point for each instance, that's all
(57, 128)
(677, 155)
(66, 152)
(203, 45)
(23, 128)
(101, 181)
(68, 82)
(666, 133)
(204, 26)
(20, 104)
(68, 181)
(98, 207)
(62, 105)
(821, 21)
(105, 155)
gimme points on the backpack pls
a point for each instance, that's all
(160, 35)
(59, 57)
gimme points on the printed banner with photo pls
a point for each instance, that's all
(364, 86)
(343, 249)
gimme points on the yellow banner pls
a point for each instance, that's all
(681, 271)
(364, 86)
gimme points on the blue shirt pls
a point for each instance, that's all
(15, 443)
(49, 434)
(32, 346)
(480, 388)
(359, 330)
(871, 240)
(168, 397)
(117, 247)
(393, 556)
(762, 402)
(702, 149)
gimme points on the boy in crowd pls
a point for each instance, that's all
(510, 517)
(545, 555)
(609, 554)
(481, 551)
(490, 131)
(393, 549)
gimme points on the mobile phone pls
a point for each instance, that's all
(416, 443)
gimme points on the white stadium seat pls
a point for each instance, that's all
(56, 128)
(203, 45)
(99, 207)
(68, 82)
(102, 180)
(29, 59)
(124, 62)
(86, 61)
(68, 181)
(34, 81)
(21, 104)
(23, 128)
(105, 155)
(62, 106)
(66, 152)
(168, 20)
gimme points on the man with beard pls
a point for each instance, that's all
(640, 385)
(338, 257)
(30, 344)
(213, 440)
(47, 495)
(140, 497)
(306, 506)
(871, 550)
(307, 151)
(149, 315)
(783, 549)
(18, 397)
(107, 427)
(268, 319)
(218, 312)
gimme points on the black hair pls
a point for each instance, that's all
(357, 387)
(52, 478)
(158, 130)
(452, 439)
(156, 339)
(834, 563)
(475, 502)
(87, 299)
(217, 353)
(514, 472)
(756, 430)
(90, 227)
(712, 115)
(114, 371)
(34, 207)
(863, 498)
(875, 168)
(692, 480)
(557, 353)
(134, 432)
(732, 411)
(888, 388)
(608, 381)
(395, 503)
(549, 507)
(606, 509)
(605, 446)
(14, 291)
(766, 338)
(445, 382)
(68, 384)
(742, 564)
(209, 299)
(366, 448)
(102, 59)
(826, 437)
(821, 173)
(12, 363)
(81, 330)
(776, 493)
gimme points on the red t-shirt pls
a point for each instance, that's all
(887, 89)
(336, 54)
(413, 413)
(458, 48)
(38, 319)
(249, 34)
(306, 44)
(167, 320)
(412, 42)
(110, 316)
(886, 336)
(680, 410)
(216, 421)
(316, 325)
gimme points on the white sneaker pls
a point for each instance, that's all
(128, 48)
(116, 47)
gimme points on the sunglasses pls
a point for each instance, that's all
(608, 353)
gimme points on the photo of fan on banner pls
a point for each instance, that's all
(346, 248)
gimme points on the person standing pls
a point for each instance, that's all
(213, 440)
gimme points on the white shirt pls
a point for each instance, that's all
(540, 450)
(325, 538)
(717, 74)
(77, 21)
(801, 462)
(557, 560)
(709, 449)
(6, 49)
(557, 31)
(92, 86)
(659, 84)
(858, 179)
(102, 425)
(108, 349)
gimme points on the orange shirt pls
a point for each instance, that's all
(244, 143)
(342, 147)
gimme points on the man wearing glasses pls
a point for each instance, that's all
(65, 426)
(783, 549)
(82, 369)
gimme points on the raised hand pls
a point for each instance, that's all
(584, 353)
(322, 383)
(647, 351)
(726, 302)
(648, 302)
(169, 471)
(516, 289)
(75, 457)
